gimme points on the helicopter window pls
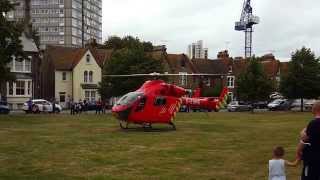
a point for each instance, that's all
(141, 104)
(129, 98)
(160, 101)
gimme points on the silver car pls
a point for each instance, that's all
(237, 106)
(40, 105)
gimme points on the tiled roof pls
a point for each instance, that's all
(28, 44)
(176, 61)
(210, 66)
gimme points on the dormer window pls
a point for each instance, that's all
(230, 69)
(88, 58)
(183, 63)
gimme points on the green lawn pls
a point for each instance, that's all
(205, 146)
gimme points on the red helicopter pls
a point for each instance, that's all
(157, 102)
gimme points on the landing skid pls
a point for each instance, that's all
(173, 126)
(145, 126)
(124, 124)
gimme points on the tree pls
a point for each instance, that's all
(253, 84)
(129, 57)
(10, 44)
(303, 77)
(212, 91)
(116, 43)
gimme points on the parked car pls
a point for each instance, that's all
(260, 105)
(296, 104)
(309, 104)
(184, 108)
(4, 108)
(237, 106)
(276, 95)
(279, 105)
(41, 105)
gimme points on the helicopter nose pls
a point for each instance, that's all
(122, 114)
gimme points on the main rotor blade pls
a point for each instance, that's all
(157, 74)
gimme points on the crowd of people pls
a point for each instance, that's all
(84, 106)
(308, 152)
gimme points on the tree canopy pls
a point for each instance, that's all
(130, 56)
(303, 77)
(253, 84)
(10, 44)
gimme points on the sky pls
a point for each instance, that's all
(285, 25)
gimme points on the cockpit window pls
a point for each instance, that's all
(160, 101)
(129, 98)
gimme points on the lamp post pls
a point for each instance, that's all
(301, 88)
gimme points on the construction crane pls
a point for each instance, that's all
(247, 20)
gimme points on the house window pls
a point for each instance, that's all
(64, 76)
(27, 63)
(183, 63)
(230, 69)
(88, 58)
(85, 79)
(20, 88)
(230, 81)
(62, 97)
(90, 76)
(183, 78)
(230, 94)
(19, 66)
(90, 95)
(207, 82)
(29, 88)
(93, 96)
(87, 95)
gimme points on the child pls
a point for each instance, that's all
(277, 165)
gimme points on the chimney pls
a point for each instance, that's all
(223, 54)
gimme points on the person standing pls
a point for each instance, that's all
(29, 105)
(311, 153)
(53, 105)
(72, 107)
(98, 106)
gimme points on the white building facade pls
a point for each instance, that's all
(21, 90)
(197, 51)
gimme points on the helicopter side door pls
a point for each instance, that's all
(164, 109)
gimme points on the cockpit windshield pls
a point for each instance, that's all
(129, 98)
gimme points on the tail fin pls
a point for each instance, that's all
(223, 98)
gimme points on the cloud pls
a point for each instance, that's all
(285, 26)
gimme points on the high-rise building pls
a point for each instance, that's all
(70, 23)
(197, 51)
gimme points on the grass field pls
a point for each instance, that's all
(217, 146)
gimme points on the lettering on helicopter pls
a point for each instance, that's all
(193, 101)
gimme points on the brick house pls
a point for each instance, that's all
(231, 68)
